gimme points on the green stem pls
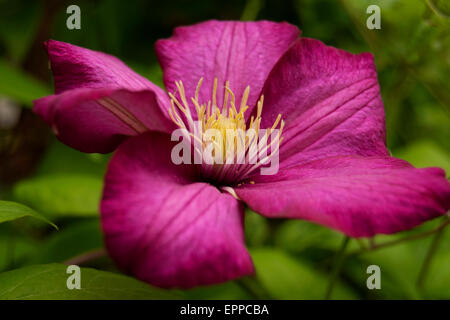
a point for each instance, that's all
(251, 10)
(402, 240)
(339, 259)
(436, 10)
(429, 257)
(252, 286)
(361, 243)
(10, 251)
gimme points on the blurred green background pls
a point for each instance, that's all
(294, 259)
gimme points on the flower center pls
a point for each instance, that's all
(229, 146)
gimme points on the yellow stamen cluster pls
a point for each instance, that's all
(228, 119)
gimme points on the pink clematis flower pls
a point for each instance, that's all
(178, 226)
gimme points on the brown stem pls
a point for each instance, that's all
(405, 239)
(85, 257)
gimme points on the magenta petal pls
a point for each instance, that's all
(241, 52)
(97, 120)
(330, 100)
(358, 196)
(75, 67)
(99, 101)
(162, 226)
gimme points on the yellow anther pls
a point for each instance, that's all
(224, 120)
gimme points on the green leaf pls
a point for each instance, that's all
(400, 264)
(61, 195)
(256, 228)
(440, 7)
(19, 24)
(284, 277)
(72, 240)
(15, 249)
(20, 86)
(438, 278)
(251, 10)
(60, 159)
(12, 210)
(297, 236)
(425, 153)
(49, 281)
(152, 73)
(399, 267)
(224, 291)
